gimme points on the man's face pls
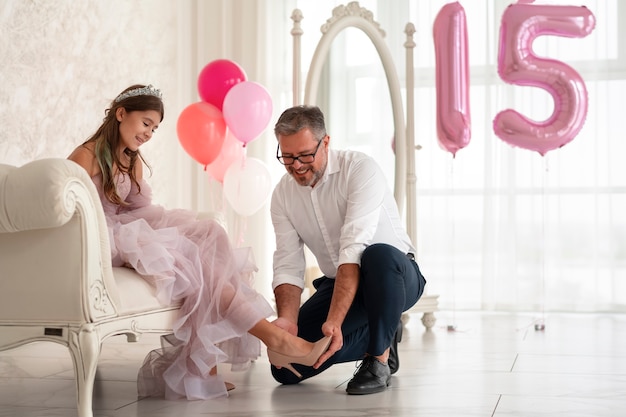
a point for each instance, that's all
(304, 145)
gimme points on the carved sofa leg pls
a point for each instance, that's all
(84, 346)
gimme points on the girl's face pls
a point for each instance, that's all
(137, 127)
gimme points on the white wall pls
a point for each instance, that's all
(63, 61)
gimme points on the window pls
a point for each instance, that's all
(498, 227)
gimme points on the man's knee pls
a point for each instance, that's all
(284, 376)
(376, 250)
(377, 257)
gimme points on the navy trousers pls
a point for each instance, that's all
(390, 283)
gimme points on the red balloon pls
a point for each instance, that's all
(216, 78)
(201, 130)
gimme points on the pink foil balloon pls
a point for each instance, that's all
(247, 110)
(217, 78)
(517, 64)
(452, 78)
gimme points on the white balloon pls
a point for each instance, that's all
(247, 185)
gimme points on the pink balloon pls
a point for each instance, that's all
(247, 110)
(201, 129)
(217, 78)
(452, 78)
(247, 185)
(231, 152)
(517, 64)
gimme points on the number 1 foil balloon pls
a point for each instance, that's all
(452, 78)
(517, 64)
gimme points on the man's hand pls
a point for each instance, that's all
(346, 284)
(334, 331)
(286, 325)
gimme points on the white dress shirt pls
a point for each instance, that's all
(350, 208)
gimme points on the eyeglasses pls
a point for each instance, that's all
(304, 159)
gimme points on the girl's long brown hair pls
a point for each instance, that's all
(107, 139)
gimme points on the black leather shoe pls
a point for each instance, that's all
(371, 377)
(394, 359)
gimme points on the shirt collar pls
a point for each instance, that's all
(332, 166)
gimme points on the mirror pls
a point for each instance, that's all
(354, 16)
(353, 95)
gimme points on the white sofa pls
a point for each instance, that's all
(56, 279)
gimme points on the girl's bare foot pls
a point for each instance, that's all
(292, 345)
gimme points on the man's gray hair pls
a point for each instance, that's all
(301, 117)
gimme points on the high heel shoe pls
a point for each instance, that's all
(278, 359)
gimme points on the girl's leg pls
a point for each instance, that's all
(279, 340)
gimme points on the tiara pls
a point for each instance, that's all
(148, 90)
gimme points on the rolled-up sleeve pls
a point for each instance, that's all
(289, 260)
(365, 196)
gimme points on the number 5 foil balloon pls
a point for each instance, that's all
(517, 64)
(452, 78)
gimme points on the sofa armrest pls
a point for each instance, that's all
(51, 194)
(35, 196)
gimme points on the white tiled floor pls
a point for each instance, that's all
(491, 364)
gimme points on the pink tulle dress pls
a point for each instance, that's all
(189, 261)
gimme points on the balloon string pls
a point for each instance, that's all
(241, 220)
(238, 194)
(223, 199)
(240, 231)
(220, 198)
(213, 198)
(543, 234)
(450, 214)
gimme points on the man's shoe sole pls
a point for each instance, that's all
(367, 391)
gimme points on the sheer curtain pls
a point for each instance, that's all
(499, 228)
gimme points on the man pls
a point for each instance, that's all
(339, 205)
